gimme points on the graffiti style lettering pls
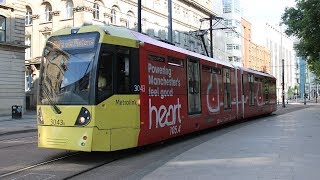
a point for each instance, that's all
(161, 81)
(159, 70)
(166, 93)
(164, 116)
(210, 108)
(154, 91)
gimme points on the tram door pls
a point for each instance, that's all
(194, 101)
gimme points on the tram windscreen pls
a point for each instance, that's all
(67, 69)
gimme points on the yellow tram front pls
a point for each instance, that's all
(87, 98)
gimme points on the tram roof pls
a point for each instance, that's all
(130, 34)
(139, 37)
(256, 72)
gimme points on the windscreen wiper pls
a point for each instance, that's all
(46, 93)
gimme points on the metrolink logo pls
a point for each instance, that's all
(164, 115)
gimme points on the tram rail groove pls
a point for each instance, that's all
(16, 138)
(18, 132)
(38, 164)
(91, 168)
(117, 155)
(17, 141)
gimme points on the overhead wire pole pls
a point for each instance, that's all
(283, 99)
(283, 92)
(316, 91)
(169, 21)
(304, 94)
(211, 41)
(202, 32)
(139, 16)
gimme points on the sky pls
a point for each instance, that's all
(260, 12)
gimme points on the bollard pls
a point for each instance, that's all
(16, 112)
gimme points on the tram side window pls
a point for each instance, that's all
(227, 88)
(104, 83)
(251, 89)
(266, 91)
(122, 72)
(194, 98)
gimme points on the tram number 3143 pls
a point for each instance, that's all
(57, 122)
(175, 129)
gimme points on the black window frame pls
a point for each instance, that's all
(47, 12)
(96, 11)
(194, 86)
(3, 29)
(227, 93)
(69, 9)
(251, 81)
(134, 71)
(28, 17)
(266, 88)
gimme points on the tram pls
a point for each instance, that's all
(107, 88)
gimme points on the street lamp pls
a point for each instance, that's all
(283, 100)
(281, 57)
(316, 90)
(304, 94)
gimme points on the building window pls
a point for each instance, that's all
(176, 8)
(69, 9)
(227, 6)
(29, 81)
(129, 22)
(227, 9)
(47, 12)
(228, 22)
(228, 34)
(156, 30)
(229, 47)
(185, 13)
(177, 36)
(192, 46)
(2, 28)
(96, 11)
(236, 47)
(144, 25)
(113, 16)
(165, 4)
(44, 39)
(28, 19)
(28, 50)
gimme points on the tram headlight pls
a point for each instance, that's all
(83, 117)
(39, 116)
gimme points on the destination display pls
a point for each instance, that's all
(76, 41)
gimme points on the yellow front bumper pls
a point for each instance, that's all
(70, 138)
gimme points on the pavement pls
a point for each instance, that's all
(27, 123)
(284, 146)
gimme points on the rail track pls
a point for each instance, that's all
(17, 171)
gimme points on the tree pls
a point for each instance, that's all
(290, 92)
(303, 22)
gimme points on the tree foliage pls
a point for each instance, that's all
(303, 22)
